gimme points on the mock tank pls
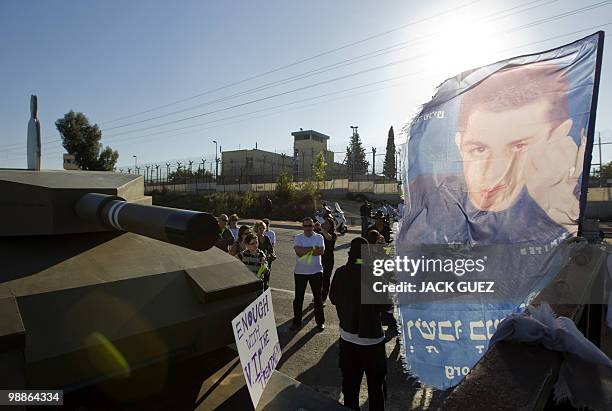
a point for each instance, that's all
(96, 284)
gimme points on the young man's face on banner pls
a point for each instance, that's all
(515, 133)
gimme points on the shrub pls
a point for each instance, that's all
(291, 205)
(285, 189)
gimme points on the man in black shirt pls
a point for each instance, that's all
(381, 226)
(362, 339)
(365, 211)
(267, 206)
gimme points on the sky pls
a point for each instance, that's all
(164, 79)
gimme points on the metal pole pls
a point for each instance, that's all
(373, 162)
(600, 164)
(216, 160)
(135, 162)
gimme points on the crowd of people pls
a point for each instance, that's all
(383, 218)
(362, 336)
(254, 246)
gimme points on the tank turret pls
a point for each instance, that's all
(97, 284)
(190, 229)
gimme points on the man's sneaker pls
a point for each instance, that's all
(312, 304)
(320, 327)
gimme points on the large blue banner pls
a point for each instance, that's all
(496, 158)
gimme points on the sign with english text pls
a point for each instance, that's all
(257, 342)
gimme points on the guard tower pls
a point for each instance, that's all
(307, 144)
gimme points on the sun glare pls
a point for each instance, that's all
(461, 43)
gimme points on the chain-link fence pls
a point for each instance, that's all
(179, 179)
(259, 171)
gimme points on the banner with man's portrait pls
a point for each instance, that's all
(498, 158)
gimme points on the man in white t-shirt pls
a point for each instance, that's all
(269, 233)
(308, 247)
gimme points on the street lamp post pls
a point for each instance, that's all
(216, 161)
(135, 161)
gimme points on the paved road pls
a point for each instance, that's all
(312, 357)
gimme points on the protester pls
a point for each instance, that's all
(267, 206)
(325, 208)
(308, 247)
(317, 227)
(328, 230)
(362, 340)
(265, 245)
(387, 317)
(239, 245)
(255, 259)
(381, 226)
(269, 233)
(365, 211)
(374, 237)
(400, 207)
(226, 239)
(233, 225)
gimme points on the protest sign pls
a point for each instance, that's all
(257, 343)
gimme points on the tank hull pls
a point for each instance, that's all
(87, 308)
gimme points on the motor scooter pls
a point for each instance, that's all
(337, 215)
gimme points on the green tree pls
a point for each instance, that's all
(285, 189)
(603, 173)
(83, 141)
(356, 157)
(184, 174)
(389, 167)
(319, 168)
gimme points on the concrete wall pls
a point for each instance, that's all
(599, 194)
(599, 203)
(243, 163)
(334, 187)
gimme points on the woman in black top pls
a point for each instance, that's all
(266, 246)
(328, 230)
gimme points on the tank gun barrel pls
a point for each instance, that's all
(190, 229)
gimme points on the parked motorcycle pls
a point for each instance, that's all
(389, 212)
(337, 215)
